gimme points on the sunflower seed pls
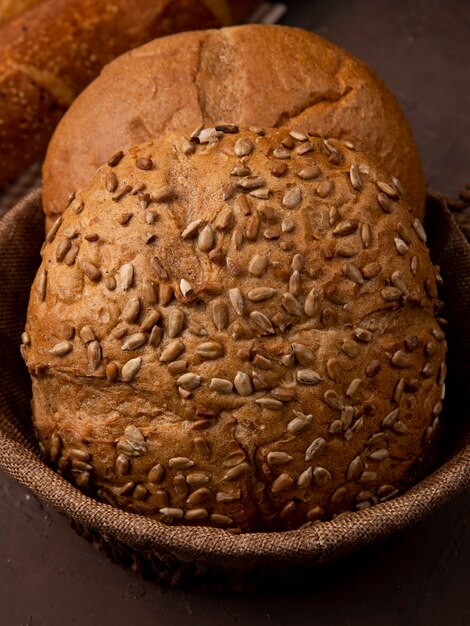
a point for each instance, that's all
(189, 381)
(252, 227)
(379, 455)
(295, 286)
(292, 198)
(236, 472)
(282, 482)
(112, 371)
(333, 400)
(299, 423)
(94, 354)
(401, 246)
(355, 177)
(260, 294)
(180, 463)
(61, 349)
(262, 322)
(221, 385)
(149, 321)
(387, 189)
(345, 227)
(419, 230)
(130, 369)
(171, 351)
(303, 354)
(353, 273)
(131, 309)
(371, 270)
(351, 349)
(90, 270)
(312, 303)
(206, 238)
(162, 194)
(390, 419)
(321, 476)
(41, 284)
(363, 335)
(353, 387)
(313, 449)
(243, 384)
(220, 314)
(390, 294)
(257, 265)
(134, 341)
(308, 377)
(384, 202)
(270, 403)
(243, 147)
(305, 147)
(305, 478)
(252, 182)
(171, 512)
(366, 235)
(210, 350)
(278, 458)
(53, 231)
(399, 281)
(325, 188)
(309, 173)
(401, 359)
(283, 394)
(62, 249)
(175, 322)
(291, 304)
(122, 465)
(373, 368)
(191, 229)
(281, 153)
(155, 475)
(367, 477)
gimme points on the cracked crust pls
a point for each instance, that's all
(265, 75)
(236, 331)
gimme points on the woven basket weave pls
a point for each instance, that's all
(208, 557)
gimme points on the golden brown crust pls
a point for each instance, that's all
(250, 316)
(266, 75)
(51, 52)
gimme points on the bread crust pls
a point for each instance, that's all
(242, 327)
(272, 76)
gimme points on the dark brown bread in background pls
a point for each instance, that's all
(11, 8)
(50, 53)
(266, 75)
(238, 333)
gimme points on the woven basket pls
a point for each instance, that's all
(208, 557)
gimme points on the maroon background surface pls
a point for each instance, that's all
(51, 577)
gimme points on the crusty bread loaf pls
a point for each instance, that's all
(236, 331)
(256, 74)
(51, 52)
(11, 8)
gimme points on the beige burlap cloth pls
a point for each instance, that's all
(183, 554)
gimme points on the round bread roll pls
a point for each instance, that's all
(266, 75)
(238, 331)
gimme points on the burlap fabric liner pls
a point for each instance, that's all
(20, 240)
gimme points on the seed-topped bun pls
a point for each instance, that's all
(238, 331)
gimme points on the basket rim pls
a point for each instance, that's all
(207, 544)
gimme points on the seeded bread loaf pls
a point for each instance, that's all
(51, 52)
(255, 74)
(237, 330)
